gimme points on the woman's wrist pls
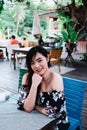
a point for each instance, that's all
(40, 109)
(34, 86)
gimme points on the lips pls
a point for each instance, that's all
(39, 70)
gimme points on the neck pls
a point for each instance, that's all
(47, 76)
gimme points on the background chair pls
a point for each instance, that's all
(18, 57)
(22, 71)
(1, 55)
(55, 56)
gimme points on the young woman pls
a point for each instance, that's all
(42, 89)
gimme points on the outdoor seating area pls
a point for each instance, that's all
(43, 65)
(75, 93)
(75, 87)
(15, 84)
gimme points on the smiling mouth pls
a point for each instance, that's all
(39, 70)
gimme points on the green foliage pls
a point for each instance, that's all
(68, 32)
(43, 24)
(59, 40)
(83, 57)
(20, 19)
(71, 35)
(20, 0)
(28, 4)
(1, 5)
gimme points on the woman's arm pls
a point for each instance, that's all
(29, 103)
(41, 109)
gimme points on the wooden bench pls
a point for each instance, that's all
(74, 92)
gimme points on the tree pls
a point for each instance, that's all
(76, 10)
(19, 15)
(1, 5)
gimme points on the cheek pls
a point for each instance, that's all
(45, 64)
(32, 67)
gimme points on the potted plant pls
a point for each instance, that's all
(70, 36)
(58, 41)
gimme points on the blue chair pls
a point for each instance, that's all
(74, 93)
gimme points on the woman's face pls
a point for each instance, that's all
(39, 64)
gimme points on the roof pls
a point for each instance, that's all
(51, 14)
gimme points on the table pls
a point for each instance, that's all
(24, 51)
(13, 119)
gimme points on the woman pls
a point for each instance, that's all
(42, 88)
(39, 38)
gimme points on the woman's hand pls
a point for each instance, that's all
(29, 103)
(40, 109)
(36, 79)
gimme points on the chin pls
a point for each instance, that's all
(40, 73)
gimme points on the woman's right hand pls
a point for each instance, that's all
(36, 79)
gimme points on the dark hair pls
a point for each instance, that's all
(24, 38)
(30, 54)
(13, 36)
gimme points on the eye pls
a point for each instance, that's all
(40, 60)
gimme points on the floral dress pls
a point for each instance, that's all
(54, 104)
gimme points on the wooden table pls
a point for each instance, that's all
(24, 51)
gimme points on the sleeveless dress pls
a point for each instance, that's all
(54, 103)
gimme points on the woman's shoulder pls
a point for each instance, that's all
(24, 79)
(57, 82)
(57, 76)
(25, 75)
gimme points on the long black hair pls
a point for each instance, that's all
(30, 54)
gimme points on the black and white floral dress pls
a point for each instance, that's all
(54, 104)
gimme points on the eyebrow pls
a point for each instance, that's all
(36, 59)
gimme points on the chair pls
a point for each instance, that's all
(1, 55)
(22, 71)
(55, 56)
(19, 56)
(74, 90)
